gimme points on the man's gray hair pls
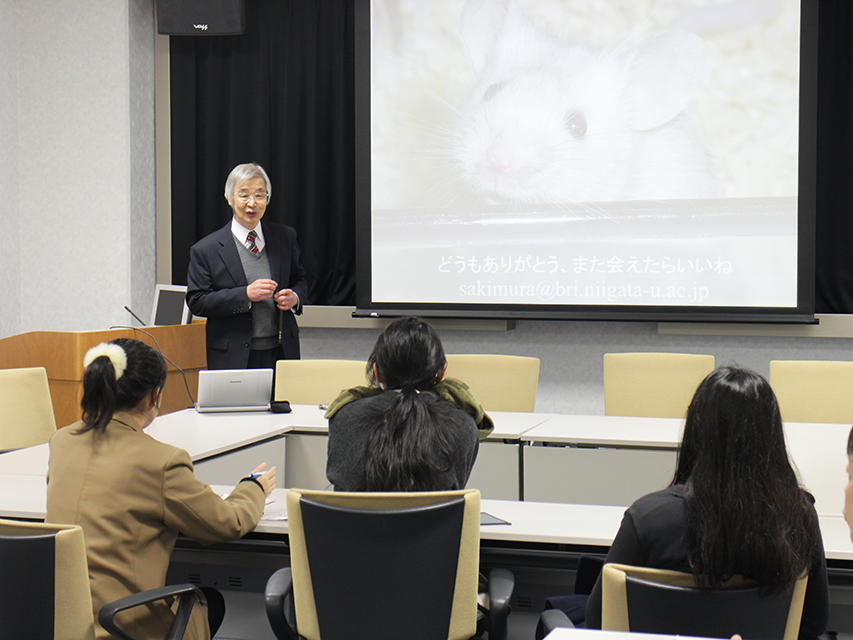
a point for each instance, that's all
(243, 172)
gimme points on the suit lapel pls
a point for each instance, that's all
(230, 258)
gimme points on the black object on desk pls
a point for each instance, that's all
(280, 406)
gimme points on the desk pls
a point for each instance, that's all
(496, 472)
(615, 460)
(203, 436)
(599, 459)
(593, 634)
(550, 523)
(208, 435)
(28, 461)
(543, 536)
(542, 523)
(540, 457)
(608, 431)
(23, 496)
(252, 437)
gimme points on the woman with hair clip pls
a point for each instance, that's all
(412, 429)
(132, 494)
(734, 506)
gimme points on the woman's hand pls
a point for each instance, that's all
(266, 478)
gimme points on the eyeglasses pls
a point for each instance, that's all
(258, 196)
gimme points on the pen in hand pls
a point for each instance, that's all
(265, 477)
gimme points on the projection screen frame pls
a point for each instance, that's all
(803, 313)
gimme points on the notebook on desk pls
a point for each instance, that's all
(234, 390)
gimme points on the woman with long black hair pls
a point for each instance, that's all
(132, 494)
(734, 507)
(412, 429)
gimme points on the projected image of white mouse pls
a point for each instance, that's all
(557, 122)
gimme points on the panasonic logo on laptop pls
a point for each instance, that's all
(200, 27)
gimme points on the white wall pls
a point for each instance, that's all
(571, 379)
(10, 291)
(81, 162)
(142, 192)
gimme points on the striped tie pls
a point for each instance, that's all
(250, 242)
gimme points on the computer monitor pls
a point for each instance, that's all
(170, 305)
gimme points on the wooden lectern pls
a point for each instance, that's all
(61, 353)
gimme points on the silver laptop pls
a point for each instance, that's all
(234, 390)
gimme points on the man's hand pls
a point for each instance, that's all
(286, 299)
(261, 289)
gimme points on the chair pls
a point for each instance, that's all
(499, 382)
(660, 601)
(813, 390)
(27, 408)
(384, 565)
(44, 586)
(646, 600)
(316, 381)
(658, 385)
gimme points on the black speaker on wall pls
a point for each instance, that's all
(201, 17)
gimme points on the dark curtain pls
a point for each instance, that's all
(282, 95)
(834, 228)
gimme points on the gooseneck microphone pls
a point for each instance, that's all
(165, 357)
(138, 319)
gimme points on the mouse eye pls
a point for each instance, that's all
(575, 124)
(492, 90)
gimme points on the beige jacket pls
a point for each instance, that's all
(132, 494)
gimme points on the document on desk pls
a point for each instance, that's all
(275, 510)
(275, 506)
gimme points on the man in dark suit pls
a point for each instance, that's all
(248, 280)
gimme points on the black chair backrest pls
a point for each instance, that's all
(383, 573)
(717, 613)
(27, 585)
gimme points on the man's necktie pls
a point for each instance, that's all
(250, 242)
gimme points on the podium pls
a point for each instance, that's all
(61, 354)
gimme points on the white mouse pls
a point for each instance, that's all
(554, 122)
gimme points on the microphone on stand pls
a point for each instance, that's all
(165, 357)
(138, 319)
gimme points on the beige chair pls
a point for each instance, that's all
(661, 601)
(45, 567)
(813, 390)
(658, 385)
(316, 381)
(45, 586)
(499, 382)
(384, 565)
(27, 416)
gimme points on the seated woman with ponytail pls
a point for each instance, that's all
(132, 494)
(411, 430)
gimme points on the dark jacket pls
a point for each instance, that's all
(652, 534)
(216, 290)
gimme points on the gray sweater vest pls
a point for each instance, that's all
(264, 313)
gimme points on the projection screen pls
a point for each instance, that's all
(649, 159)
